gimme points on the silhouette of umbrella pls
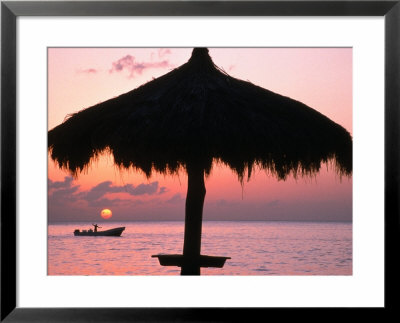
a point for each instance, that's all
(195, 115)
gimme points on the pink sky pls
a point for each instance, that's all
(81, 77)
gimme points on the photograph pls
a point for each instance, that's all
(233, 161)
(198, 161)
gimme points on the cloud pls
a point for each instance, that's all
(222, 203)
(130, 64)
(67, 182)
(67, 201)
(88, 71)
(272, 203)
(177, 198)
(163, 190)
(66, 193)
(163, 51)
(106, 202)
(106, 187)
(61, 192)
(144, 189)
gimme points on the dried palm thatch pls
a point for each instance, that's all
(197, 114)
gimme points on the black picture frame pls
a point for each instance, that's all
(11, 10)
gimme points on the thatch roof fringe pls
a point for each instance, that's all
(199, 114)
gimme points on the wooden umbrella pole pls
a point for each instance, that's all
(193, 220)
(191, 260)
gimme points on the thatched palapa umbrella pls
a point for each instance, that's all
(188, 119)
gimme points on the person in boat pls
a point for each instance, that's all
(95, 227)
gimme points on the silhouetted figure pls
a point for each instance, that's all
(95, 227)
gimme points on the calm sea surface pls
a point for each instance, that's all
(255, 248)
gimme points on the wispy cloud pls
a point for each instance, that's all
(163, 51)
(88, 71)
(134, 67)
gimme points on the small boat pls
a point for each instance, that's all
(116, 232)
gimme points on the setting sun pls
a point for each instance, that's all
(106, 214)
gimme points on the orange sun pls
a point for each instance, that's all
(106, 214)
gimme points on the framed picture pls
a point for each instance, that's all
(56, 53)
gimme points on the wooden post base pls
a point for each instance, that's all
(191, 262)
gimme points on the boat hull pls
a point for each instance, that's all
(116, 232)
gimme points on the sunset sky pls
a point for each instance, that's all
(81, 77)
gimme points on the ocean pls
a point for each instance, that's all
(255, 248)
